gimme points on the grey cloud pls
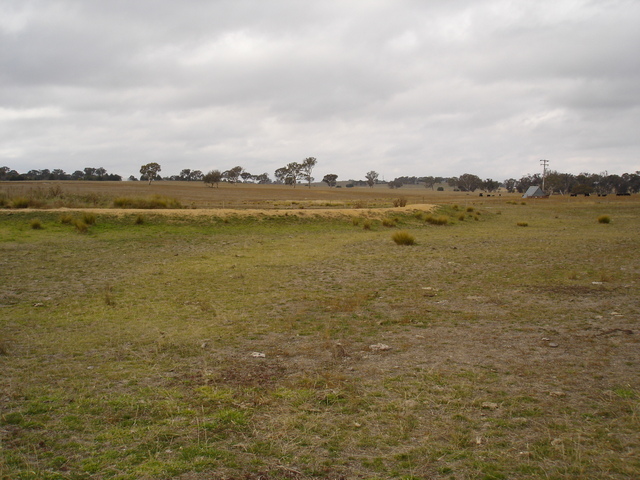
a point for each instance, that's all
(406, 86)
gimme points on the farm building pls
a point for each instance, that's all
(534, 192)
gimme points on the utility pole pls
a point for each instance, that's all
(544, 164)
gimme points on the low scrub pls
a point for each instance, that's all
(522, 224)
(400, 202)
(403, 238)
(153, 202)
(604, 219)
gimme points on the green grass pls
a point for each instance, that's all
(126, 351)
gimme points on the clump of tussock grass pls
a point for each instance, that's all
(390, 222)
(439, 220)
(470, 209)
(367, 224)
(152, 202)
(20, 202)
(81, 227)
(403, 238)
(66, 219)
(604, 219)
(36, 224)
(355, 221)
(461, 217)
(400, 202)
(89, 218)
(522, 224)
(139, 220)
(455, 207)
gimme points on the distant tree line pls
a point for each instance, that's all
(89, 173)
(583, 183)
(296, 172)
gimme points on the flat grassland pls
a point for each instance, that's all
(291, 338)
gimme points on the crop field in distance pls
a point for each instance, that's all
(254, 332)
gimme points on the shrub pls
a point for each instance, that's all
(522, 224)
(403, 238)
(440, 189)
(367, 224)
(36, 224)
(400, 202)
(604, 219)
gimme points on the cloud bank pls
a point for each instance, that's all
(402, 87)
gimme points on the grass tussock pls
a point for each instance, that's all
(139, 220)
(36, 224)
(81, 226)
(152, 202)
(89, 218)
(400, 202)
(522, 224)
(367, 224)
(403, 238)
(390, 222)
(604, 219)
(437, 220)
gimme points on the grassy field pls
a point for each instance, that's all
(272, 345)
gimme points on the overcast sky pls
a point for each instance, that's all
(402, 87)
